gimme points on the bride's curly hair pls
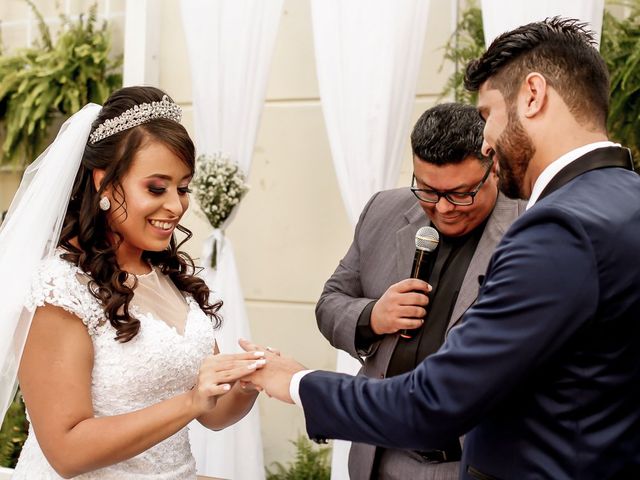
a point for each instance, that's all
(86, 235)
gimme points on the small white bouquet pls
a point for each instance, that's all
(218, 186)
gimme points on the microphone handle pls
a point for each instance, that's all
(420, 264)
(419, 270)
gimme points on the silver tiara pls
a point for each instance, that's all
(135, 116)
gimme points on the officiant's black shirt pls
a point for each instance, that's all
(447, 269)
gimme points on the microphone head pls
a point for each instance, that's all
(427, 239)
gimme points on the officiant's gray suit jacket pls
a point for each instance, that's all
(381, 254)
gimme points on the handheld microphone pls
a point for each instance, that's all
(427, 239)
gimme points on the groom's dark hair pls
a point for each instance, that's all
(563, 51)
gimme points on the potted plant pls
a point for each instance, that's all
(51, 80)
(311, 463)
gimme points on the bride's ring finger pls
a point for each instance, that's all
(273, 350)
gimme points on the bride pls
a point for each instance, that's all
(118, 333)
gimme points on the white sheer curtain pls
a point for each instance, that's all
(230, 44)
(368, 56)
(499, 16)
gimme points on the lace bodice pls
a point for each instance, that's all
(157, 364)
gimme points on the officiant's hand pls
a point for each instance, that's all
(402, 306)
(217, 375)
(274, 377)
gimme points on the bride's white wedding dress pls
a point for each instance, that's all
(158, 363)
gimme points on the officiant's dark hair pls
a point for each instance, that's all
(448, 133)
(86, 233)
(563, 51)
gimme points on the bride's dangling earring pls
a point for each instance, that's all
(104, 204)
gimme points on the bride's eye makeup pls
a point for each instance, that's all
(156, 189)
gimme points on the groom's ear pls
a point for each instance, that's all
(98, 177)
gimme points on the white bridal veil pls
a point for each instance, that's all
(30, 233)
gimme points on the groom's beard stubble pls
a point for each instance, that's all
(515, 150)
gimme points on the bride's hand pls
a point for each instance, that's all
(218, 373)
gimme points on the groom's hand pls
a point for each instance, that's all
(274, 377)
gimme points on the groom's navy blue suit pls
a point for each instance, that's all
(543, 375)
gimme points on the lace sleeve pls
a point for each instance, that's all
(57, 282)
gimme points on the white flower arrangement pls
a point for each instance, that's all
(218, 185)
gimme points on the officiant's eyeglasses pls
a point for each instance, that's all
(457, 198)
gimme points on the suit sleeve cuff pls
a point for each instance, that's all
(365, 337)
(294, 386)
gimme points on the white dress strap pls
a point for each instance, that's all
(62, 284)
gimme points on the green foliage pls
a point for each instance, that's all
(620, 47)
(13, 433)
(465, 44)
(311, 463)
(53, 79)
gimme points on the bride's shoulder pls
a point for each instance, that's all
(57, 270)
(56, 263)
(61, 283)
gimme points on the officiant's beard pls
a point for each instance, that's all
(514, 149)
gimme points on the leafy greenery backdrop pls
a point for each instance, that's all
(620, 47)
(53, 80)
(13, 433)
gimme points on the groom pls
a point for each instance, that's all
(543, 373)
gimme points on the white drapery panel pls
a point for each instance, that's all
(368, 56)
(230, 44)
(499, 16)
